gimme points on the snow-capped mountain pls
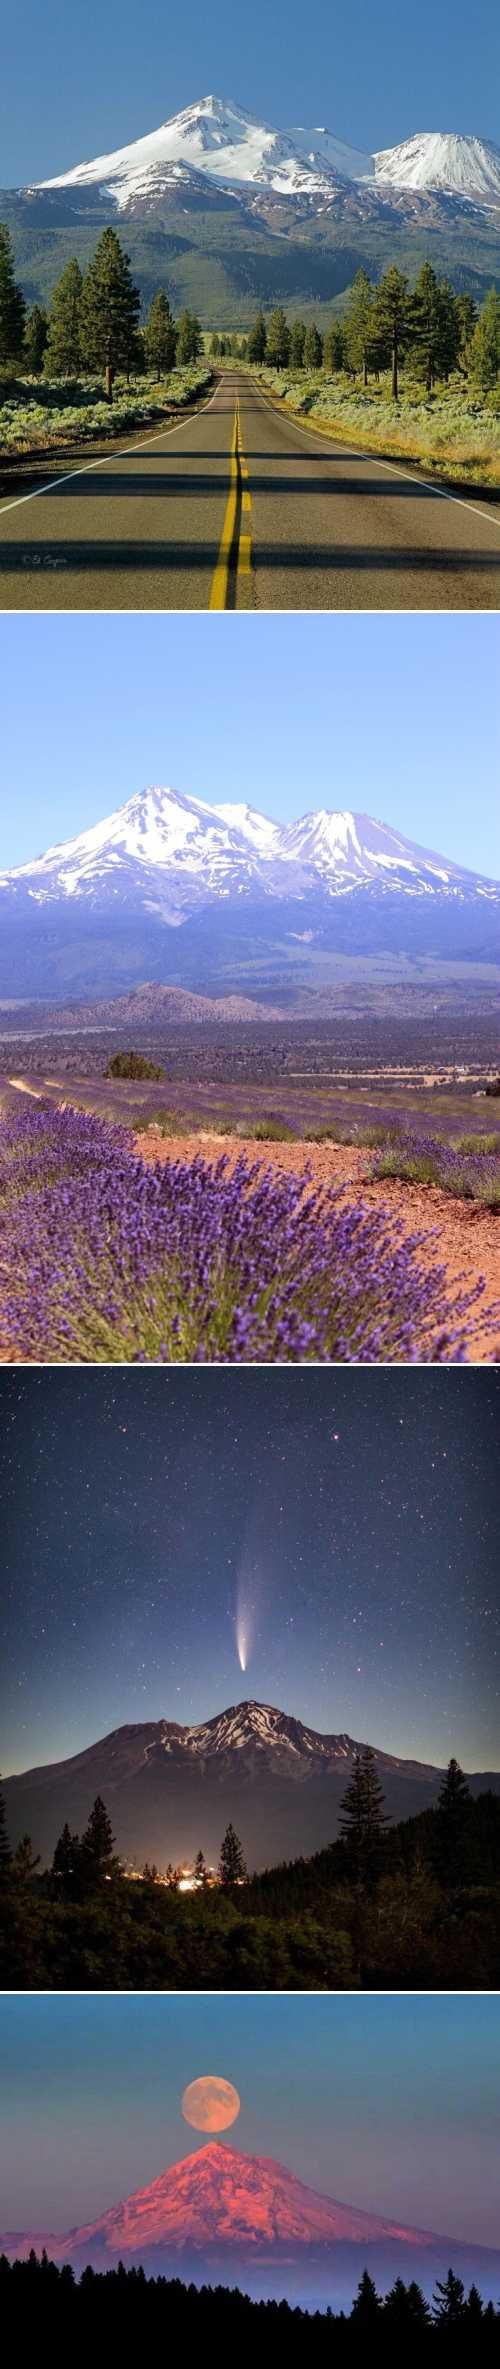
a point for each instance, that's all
(451, 161)
(169, 1787)
(218, 140)
(219, 2193)
(169, 853)
(224, 2215)
(173, 890)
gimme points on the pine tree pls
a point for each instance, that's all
(5, 1849)
(12, 305)
(334, 352)
(313, 349)
(232, 1868)
(467, 318)
(35, 339)
(297, 344)
(367, 2306)
(25, 1861)
(406, 2306)
(189, 338)
(278, 340)
(448, 2301)
(362, 1815)
(451, 1822)
(392, 321)
(96, 1850)
(257, 342)
(160, 335)
(449, 319)
(66, 1855)
(358, 325)
(435, 326)
(110, 311)
(474, 2307)
(485, 353)
(200, 1869)
(63, 356)
(215, 346)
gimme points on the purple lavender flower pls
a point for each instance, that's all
(104, 1259)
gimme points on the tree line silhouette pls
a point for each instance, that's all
(116, 2302)
(413, 1905)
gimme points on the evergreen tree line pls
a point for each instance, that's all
(435, 330)
(410, 1906)
(234, 346)
(92, 322)
(119, 2301)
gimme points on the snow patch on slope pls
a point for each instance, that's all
(451, 161)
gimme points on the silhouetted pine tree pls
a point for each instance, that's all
(232, 1867)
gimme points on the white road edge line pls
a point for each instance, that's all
(88, 466)
(440, 491)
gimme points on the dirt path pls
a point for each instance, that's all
(465, 1237)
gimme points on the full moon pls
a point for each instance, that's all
(210, 2103)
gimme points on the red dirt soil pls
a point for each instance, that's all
(465, 1237)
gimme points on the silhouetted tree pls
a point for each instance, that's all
(5, 1849)
(96, 1858)
(66, 1855)
(451, 1822)
(367, 2306)
(448, 2302)
(232, 1868)
(362, 1815)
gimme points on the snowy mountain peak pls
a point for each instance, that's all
(219, 2197)
(454, 162)
(169, 853)
(215, 137)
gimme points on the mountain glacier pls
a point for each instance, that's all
(216, 139)
(168, 852)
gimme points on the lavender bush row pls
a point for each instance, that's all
(470, 1175)
(102, 1258)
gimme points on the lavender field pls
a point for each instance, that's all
(306, 1109)
(103, 1258)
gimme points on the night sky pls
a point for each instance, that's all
(388, 2103)
(342, 1522)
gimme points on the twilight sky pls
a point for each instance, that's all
(395, 716)
(345, 1520)
(96, 81)
(393, 2104)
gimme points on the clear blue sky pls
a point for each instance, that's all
(82, 79)
(388, 2103)
(396, 716)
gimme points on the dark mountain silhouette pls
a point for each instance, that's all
(170, 1788)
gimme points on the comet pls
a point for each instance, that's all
(246, 1607)
(242, 1643)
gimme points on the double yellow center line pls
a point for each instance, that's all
(235, 548)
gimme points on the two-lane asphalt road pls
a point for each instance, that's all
(238, 507)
